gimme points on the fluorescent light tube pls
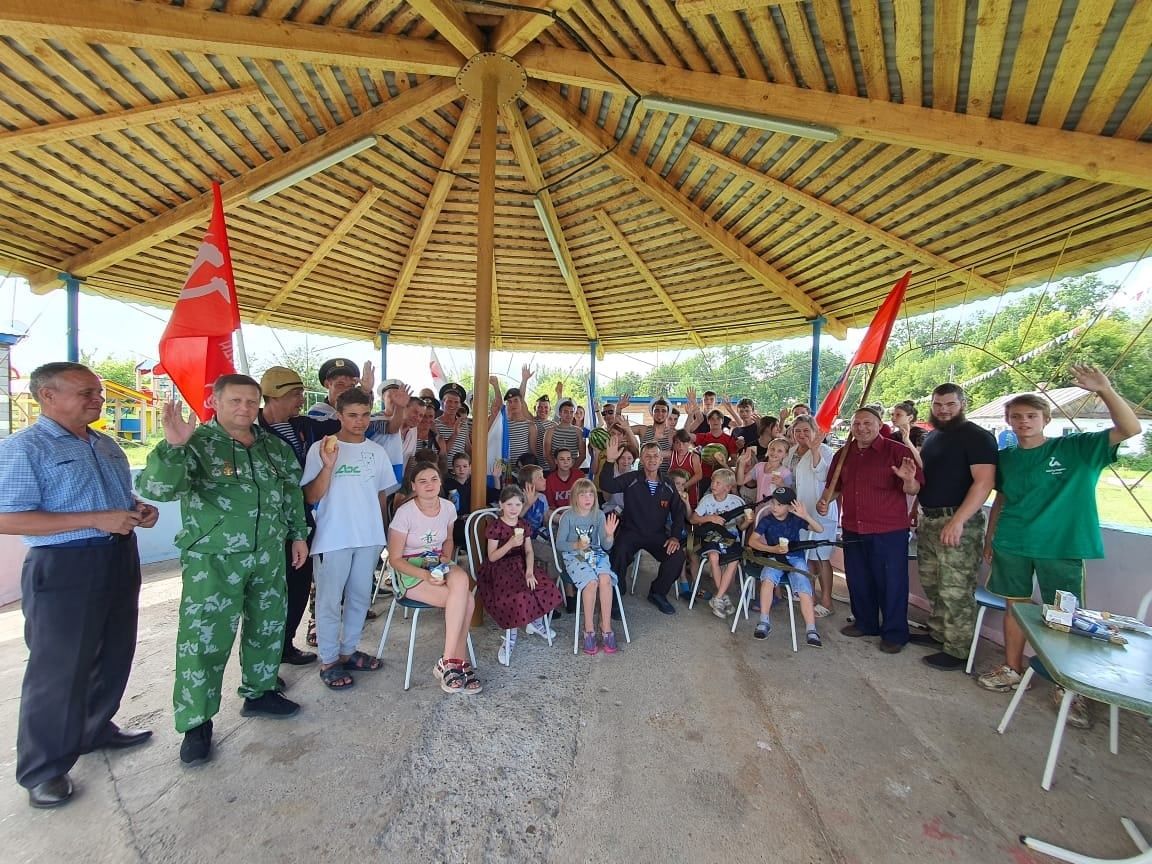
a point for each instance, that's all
(741, 118)
(313, 168)
(553, 241)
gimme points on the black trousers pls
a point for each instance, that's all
(81, 606)
(626, 547)
(299, 587)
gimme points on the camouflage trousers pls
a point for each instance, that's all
(219, 591)
(948, 576)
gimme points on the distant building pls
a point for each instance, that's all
(1068, 404)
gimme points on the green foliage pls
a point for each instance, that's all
(302, 359)
(112, 368)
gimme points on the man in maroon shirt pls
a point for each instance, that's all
(872, 486)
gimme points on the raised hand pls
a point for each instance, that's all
(622, 403)
(559, 390)
(368, 378)
(690, 396)
(526, 373)
(746, 457)
(906, 471)
(401, 396)
(1090, 378)
(177, 430)
(613, 450)
(799, 509)
(611, 523)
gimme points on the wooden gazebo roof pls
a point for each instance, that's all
(980, 145)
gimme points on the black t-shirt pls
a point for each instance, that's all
(748, 433)
(948, 456)
(702, 429)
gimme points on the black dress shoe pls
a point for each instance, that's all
(890, 647)
(197, 745)
(925, 639)
(852, 631)
(945, 661)
(123, 738)
(293, 656)
(662, 604)
(51, 793)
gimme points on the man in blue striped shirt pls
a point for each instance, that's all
(68, 490)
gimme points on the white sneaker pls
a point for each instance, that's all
(1002, 680)
(546, 633)
(717, 604)
(505, 654)
(729, 606)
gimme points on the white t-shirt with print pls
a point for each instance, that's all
(709, 506)
(349, 515)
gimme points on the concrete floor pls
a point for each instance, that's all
(689, 745)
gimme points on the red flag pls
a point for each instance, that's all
(871, 350)
(196, 347)
(434, 367)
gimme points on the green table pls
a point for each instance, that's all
(1118, 675)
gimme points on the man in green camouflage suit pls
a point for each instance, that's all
(240, 495)
(959, 472)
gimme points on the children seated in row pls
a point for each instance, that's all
(513, 586)
(584, 537)
(720, 544)
(776, 533)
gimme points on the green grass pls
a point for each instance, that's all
(1118, 505)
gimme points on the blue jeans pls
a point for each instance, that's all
(343, 575)
(800, 582)
(876, 567)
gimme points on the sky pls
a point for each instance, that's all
(112, 328)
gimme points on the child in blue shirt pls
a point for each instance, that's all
(776, 531)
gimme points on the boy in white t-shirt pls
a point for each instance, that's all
(347, 479)
(725, 511)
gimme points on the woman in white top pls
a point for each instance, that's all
(811, 460)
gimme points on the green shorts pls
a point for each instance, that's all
(1011, 576)
(407, 583)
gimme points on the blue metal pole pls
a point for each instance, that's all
(383, 354)
(814, 381)
(72, 290)
(593, 346)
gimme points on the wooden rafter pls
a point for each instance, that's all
(155, 26)
(114, 121)
(325, 246)
(939, 263)
(518, 30)
(690, 8)
(563, 114)
(1072, 154)
(451, 23)
(395, 113)
(530, 165)
(497, 339)
(644, 270)
(453, 155)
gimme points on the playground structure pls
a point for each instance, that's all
(129, 414)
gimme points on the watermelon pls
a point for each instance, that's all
(716, 453)
(598, 438)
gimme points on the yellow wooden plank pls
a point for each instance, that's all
(947, 45)
(452, 24)
(870, 43)
(909, 50)
(1040, 19)
(1119, 70)
(991, 25)
(835, 40)
(1075, 55)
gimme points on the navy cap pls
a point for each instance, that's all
(338, 366)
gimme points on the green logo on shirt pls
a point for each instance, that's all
(348, 469)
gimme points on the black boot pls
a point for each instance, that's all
(197, 746)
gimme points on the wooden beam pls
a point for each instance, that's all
(326, 245)
(497, 339)
(114, 121)
(155, 26)
(530, 165)
(451, 23)
(689, 8)
(519, 29)
(938, 263)
(393, 114)
(1071, 154)
(441, 186)
(564, 115)
(644, 270)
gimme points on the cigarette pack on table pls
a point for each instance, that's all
(1056, 615)
(1066, 602)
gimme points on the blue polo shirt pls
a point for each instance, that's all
(45, 467)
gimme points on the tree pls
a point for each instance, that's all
(112, 368)
(302, 359)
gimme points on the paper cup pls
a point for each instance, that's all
(784, 543)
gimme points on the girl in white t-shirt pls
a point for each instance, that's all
(420, 547)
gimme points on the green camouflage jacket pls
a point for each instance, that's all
(234, 498)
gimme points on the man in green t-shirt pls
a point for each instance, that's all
(1044, 519)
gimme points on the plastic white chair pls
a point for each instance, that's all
(417, 607)
(580, 594)
(748, 588)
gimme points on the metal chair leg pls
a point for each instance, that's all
(791, 616)
(747, 587)
(635, 571)
(1114, 729)
(471, 650)
(1019, 694)
(1057, 739)
(623, 617)
(411, 649)
(576, 626)
(1061, 854)
(980, 610)
(387, 624)
(696, 584)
